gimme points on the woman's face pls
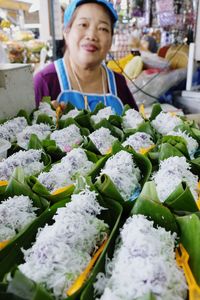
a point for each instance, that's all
(89, 38)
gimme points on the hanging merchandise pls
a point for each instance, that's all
(165, 13)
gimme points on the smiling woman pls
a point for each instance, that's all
(81, 77)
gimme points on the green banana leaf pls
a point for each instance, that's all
(98, 107)
(17, 185)
(65, 123)
(44, 118)
(49, 147)
(21, 284)
(23, 113)
(68, 107)
(167, 150)
(149, 205)
(189, 236)
(143, 127)
(98, 166)
(181, 200)
(191, 129)
(34, 142)
(178, 142)
(115, 131)
(42, 191)
(126, 107)
(156, 109)
(53, 150)
(195, 165)
(90, 146)
(12, 254)
(83, 119)
(23, 287)
(115, 120)
(107, 188)
(149, 296)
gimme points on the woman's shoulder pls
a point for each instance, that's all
(48, 71)
(118, 76)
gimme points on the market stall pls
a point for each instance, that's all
(95, 204)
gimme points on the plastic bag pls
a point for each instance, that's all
(154, 83)
(152, 60)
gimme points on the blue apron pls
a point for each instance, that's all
(77, 98)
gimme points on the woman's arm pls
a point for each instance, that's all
(123, 91)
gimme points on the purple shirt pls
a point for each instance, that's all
(46, 83)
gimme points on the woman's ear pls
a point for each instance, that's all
(66, 34)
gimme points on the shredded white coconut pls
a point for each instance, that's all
(102, 139)
(104, 113)
(15, 213)
(132, 119)
(11, 128)
(41, 130)
(165, 122)
(71, 114)
(139, 140)
(124, 173)
(64, 173)
(67, 138)
(28, 160)
(171, 173)
(63, 250)
(192, 144)
(144, 261)
(44, 108)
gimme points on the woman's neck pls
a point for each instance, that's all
(88, 79)
(84, 73)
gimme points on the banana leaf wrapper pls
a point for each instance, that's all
(189, 236)
(17, 186)
(49, 147)
(107, 188)
(181, 200)
(115, 131)
(126, 107)
(83, 119)
(149, 205)
(12, 254)
(71, 121)
(114, 120)
(178, 142)
(23, 113)
(191, 128)
(21, 283)
(162, 152)
(167, 150)
(195, 165)
(156, 109)
(143, 127)
(44, 118)
(42, 191)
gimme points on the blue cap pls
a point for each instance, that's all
(75, 3)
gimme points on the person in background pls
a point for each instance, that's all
(81, 77)
(60, 44)
(148, 43)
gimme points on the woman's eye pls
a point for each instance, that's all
(104, 29)
(82, 24)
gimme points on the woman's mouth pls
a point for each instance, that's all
(90, 48)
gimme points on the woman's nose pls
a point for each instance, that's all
(92, 33)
